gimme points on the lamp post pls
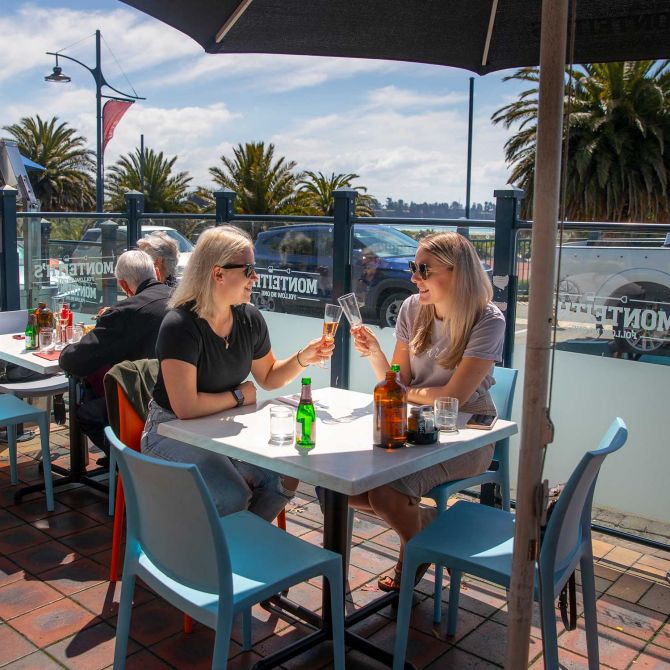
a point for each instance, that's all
(58, 77)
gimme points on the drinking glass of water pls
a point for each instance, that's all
(282, 425)
(446, 414)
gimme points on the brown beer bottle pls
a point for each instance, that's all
(390, 413)
(45, 317)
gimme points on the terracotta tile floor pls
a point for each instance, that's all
(57, 609)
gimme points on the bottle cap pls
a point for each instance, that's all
(306, 380)
(395, 368)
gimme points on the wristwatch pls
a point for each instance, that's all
(239, 397)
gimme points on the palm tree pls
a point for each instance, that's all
(263, 185)
(67, 183)
(618, 156)
(163, 190)
(315, 193)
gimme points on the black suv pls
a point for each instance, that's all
(295, 268)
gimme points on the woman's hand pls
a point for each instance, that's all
(364, 341)
(248, 389)
(316, 351)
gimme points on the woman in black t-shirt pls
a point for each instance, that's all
(207, 345)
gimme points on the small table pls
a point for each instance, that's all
(14, 351)
(344, 462)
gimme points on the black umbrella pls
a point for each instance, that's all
(478, 35)
(482, 36)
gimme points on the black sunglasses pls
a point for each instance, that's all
(421, 268)
(249, 268)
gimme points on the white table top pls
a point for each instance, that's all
(14, 351)
(343, 459)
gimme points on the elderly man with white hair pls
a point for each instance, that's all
(127, 331)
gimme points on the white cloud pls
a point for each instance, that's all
(392, 96)
(271, 72)
(135, 40)
(415, 155)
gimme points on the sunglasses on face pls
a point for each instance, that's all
(421, 268)
(249, 268)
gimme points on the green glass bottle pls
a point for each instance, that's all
(305, 433)
(31, 333)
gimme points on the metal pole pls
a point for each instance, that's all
(345, 208)
(10, 295)
(99, 188)
(142, 162)
(468, 177)
(537, 431)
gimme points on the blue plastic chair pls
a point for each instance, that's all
(14, 411)
(207, 566)
(502, 393)
(479, 540)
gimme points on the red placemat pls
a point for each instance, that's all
(50, 356)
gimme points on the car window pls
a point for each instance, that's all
(384, 242)
(182, 243)
(297, 243)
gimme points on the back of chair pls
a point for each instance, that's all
(13, 322)
(571, 517)
(171, 515)
(502, 391)
(131, 424)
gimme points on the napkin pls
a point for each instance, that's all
(49, 355)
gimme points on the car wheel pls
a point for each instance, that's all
(389, 309)
(649, 337)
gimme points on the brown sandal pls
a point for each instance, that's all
(390, 583)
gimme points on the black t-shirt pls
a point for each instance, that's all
(186, 337)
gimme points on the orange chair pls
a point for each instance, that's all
(130, 433)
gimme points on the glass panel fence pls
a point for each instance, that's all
(69, 260)
(612, 349)
(294, 266)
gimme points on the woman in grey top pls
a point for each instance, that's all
(448, 337)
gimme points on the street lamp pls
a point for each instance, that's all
(58, 77)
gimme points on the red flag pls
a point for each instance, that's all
(112, 113)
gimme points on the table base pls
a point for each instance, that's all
(77, 473)
(68, 478)
(335, 538)
(351, 639)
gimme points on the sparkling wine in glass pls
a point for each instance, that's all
(331, 320)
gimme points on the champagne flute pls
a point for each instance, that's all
(352, 311)
(331, 320)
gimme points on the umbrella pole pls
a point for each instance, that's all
(536, 431)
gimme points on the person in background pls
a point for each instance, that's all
(125, 331)
(209, 342)
(164, 253)
(448, 337)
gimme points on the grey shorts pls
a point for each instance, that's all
(416, 485)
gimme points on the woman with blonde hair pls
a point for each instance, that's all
(209, 342)
(448, 337)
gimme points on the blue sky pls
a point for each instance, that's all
(402, 127)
